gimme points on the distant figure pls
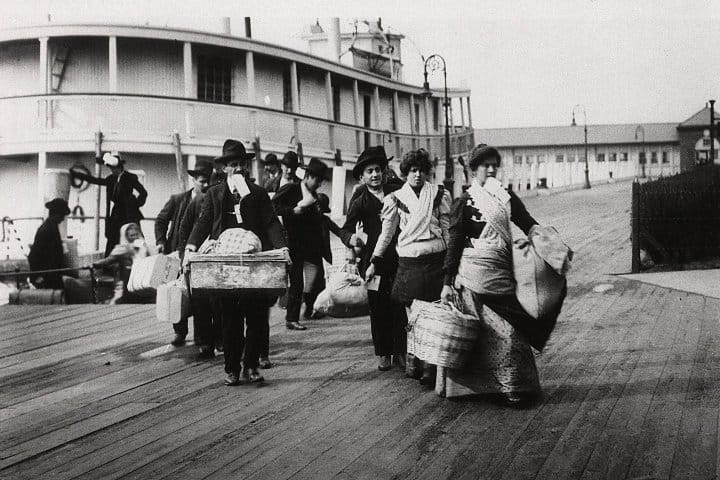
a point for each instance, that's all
(288, 165)
(46, 252)
(125, 205)
(132, 247)
(271, 165)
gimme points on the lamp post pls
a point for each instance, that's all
(436, 62)
(642, 160)
(587, 168)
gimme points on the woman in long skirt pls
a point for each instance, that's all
(421, 211)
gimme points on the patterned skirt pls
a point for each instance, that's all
(501, 361)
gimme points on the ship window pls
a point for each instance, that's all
(214, 79)
(336, 103)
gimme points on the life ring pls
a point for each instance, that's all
(77, 182)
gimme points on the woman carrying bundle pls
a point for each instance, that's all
(421, 211)
(479, 263)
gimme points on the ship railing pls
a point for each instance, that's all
(151, 119)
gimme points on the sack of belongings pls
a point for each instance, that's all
(345, 295)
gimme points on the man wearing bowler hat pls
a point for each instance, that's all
(273, 174)
(120, 186)
(239, 203)
(46, 252)
(387, 317)
(167, 232)
(297, 204)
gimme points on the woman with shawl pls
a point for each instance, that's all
(479, 263)
(132, 246)
(421, 211)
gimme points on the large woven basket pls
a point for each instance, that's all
(441, 334)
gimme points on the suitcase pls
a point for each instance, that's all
(150, 272)
(40, 296)
(172, 302)
(215, 274)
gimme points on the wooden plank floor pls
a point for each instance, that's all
(631, 384)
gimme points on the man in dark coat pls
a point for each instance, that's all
(46, 252)
(168, 240)
(296, 203)
(387, 317)
(239, 203)
(271, 179)
(121, 205)
(288, 166)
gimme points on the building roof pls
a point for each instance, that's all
(568, 135)
(701, 118)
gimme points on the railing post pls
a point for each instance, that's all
(635, 233)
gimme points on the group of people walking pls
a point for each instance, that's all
(416, 244)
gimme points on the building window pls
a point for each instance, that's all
(517, 159)
(529, 159)
(653, 157)
(641, 158)
(600, 157)
(336, 103)
(436, 114)
(624, 157)
(613, 157)
(559, 158)
(665, 157)
(571, 158)
(214, 79)
(541, 159)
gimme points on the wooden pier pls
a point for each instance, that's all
(631, 383)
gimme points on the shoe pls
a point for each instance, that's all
(178, 341)
(232, 379)
(265, 363)
(219, 347)
(295, 326)
(428, 376)
(400, 362)
(206, 353)
(384, 364)
(252, 376)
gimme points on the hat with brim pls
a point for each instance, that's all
(316, 168)
(202, 167)
(371, 156)
(233, 150)
(112, 159)
(58, 205)
(271, 159)
(290, 160)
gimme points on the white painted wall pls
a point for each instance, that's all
(19, 68)
(150, 67)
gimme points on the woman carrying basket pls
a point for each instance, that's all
(421, 211)
(479, 263)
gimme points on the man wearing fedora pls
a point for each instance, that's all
(46, 252)
(387, 317)
(297, 204)
(239, 203)
(121, 204)
(167, 233)
(271, 168)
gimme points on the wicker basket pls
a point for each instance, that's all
(441, 334)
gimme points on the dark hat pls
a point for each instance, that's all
(369, 156)
(271, 159)
(233, 149)
(290, 159)
(323, 203)
(481, 153)
(315, 168)
(58, 205)
(202, 167)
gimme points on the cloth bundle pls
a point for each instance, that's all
(150, 272)
(345, 295)
(231, 241)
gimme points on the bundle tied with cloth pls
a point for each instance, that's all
(345, 295)
(533, 268)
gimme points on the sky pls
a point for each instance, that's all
(527, 62)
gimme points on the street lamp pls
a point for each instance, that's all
(587, 168)
(642, 160)
(436, 62)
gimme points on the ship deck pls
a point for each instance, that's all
(631, 384)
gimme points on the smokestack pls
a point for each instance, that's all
(248, 28)
(334, 38)
(225, 25)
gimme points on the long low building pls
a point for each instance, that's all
(554, 157)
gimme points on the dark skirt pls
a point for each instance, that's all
(419, 278)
